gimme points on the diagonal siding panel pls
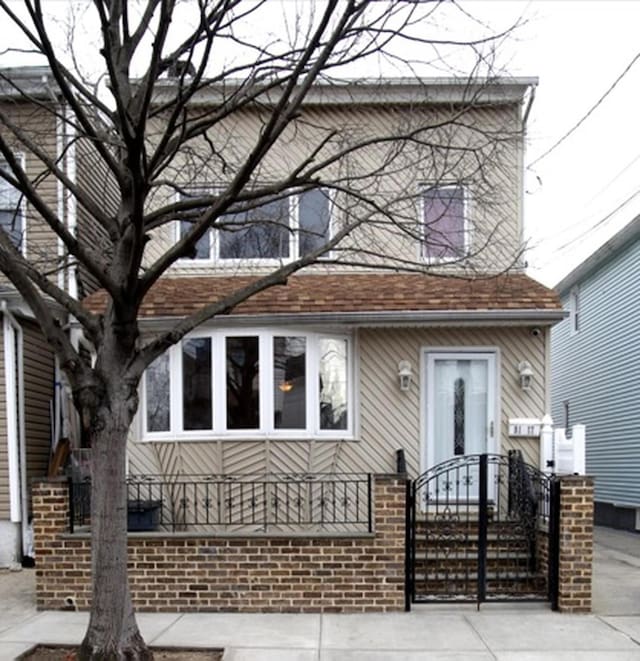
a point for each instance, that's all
(389, 419)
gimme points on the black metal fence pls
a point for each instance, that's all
(243, 503)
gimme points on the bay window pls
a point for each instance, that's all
(250, 383)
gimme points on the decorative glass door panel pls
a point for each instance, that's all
(460, 411)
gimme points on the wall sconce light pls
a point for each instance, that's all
(404, 374)
(285, 386)
(526, 375)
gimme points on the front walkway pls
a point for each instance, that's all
(455, 633)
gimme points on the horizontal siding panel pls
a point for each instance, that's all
(38, 398)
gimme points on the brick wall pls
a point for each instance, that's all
(207, 573)
(576, 544)
(280, 574)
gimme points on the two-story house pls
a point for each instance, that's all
(364, 353)
(31, 408)
(270, 433)
(592, 354)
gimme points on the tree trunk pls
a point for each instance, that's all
(113, 633)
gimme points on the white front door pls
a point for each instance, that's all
(460, 406)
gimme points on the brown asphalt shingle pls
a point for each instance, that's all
(351, 292)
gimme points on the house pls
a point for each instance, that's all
(592, 354)
(30, 403)
(272, 445)
(351, 361)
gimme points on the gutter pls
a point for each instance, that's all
(530, 101)
(14, 400)
(409, 318)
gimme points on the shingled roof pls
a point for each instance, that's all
(349, 293)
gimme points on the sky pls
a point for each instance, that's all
(587, 187)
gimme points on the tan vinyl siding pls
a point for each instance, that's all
(4, 460)
(389, 419)
(494, 184)
(38, 364)
(96, 180)
(41, 242)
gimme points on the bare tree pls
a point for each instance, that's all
(162, 124)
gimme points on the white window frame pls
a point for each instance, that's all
(22, 207)
(214, 258)
(466, 205)
(267, 427)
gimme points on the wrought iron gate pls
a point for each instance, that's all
(482, 528)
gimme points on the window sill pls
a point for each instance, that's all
(248, 437)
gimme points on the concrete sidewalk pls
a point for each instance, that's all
(503, 632)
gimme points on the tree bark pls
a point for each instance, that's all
(113, 633)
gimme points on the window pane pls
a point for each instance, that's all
(333, 383)
(444, 222)
(289, 383)
(11, 219)
(203, 246)
(261, 233)
(196, 383)
(243, 383)
(313, 218)
(157, 394)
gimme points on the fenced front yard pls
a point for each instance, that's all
(345, 554)
(296, 543)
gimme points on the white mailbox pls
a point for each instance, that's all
(524, 427)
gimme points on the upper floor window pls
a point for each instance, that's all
(574, 310)
(444, 231)
(279, 229)
(282, 383)
(11, 210)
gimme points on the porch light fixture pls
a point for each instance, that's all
(404, 374)
(286, 386)
(526, 375)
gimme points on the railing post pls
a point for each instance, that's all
(554, 542)
(401, 462)
(483, 516)
(72, 509)
(511, 482)
(408, 545)
(369, 502)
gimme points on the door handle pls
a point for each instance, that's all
(491, 429)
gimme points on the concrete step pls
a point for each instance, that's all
(461, 585)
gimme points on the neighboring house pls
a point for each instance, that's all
(30, 420)
(341, 367)
(594, 353)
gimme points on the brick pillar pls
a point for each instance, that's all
(576, 544)
(388, 557)
(50, 521)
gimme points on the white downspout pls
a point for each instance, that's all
(17, 455)
(72, 205)
(60, 142)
